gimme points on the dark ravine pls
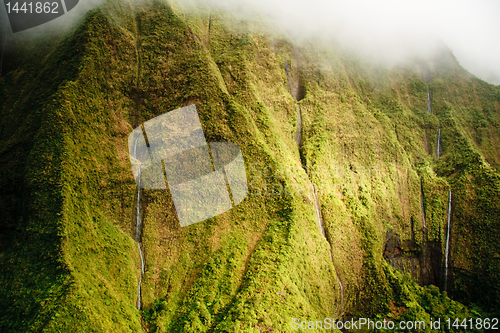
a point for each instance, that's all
(294, 83)
(430, 257)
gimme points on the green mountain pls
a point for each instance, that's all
(332, 143)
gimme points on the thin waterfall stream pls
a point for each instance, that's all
(438, 149)
(298, 140)
(322, 230)
(138, 222)
(422, 206)
(318, 213)
(138, 231)
(447, 246)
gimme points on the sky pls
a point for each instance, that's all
(388, 30)
(392, 29)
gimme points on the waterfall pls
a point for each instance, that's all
(298, 140)
(422, 203)
(424, 259)
(447, 247)
(318, 213)
(438, 149)
(429, 100)
(139, 305)
(138, 212)
(320, 224)
(341, 289)
(138, 230)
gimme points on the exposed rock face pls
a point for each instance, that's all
(423, 261)
(402, 255)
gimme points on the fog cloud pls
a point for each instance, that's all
(393, 29)
(387, 30)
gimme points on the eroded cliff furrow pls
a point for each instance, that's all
(438, 144)
(136, 97)
(138, 232)
(298, 135)
(447, 245)
(294, 81)
(340, 310)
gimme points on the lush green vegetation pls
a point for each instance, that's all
(68, 103)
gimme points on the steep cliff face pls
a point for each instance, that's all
(383, 154)
(367, 143)
(68, 262)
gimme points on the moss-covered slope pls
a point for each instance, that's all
(69, 262)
